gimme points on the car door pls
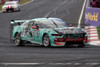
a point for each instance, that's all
(30, 35)
(26, 33)
(36, 32)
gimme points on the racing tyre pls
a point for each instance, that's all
(19, 9)
(10, 11)
(46, 41)
(18, 40)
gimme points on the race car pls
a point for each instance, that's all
(47, 32)
(11, 6)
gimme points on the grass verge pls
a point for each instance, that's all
(0, 7)
(21, 2)
(98, 30)
(24, 1)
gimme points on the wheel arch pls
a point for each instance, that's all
(44, 35)
(16, 34)
(49, 39)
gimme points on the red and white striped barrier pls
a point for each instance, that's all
(93, 38)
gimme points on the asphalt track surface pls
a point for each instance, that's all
(38, 56)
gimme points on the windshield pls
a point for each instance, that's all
(53, 24)
(47, 24)
(60, 23)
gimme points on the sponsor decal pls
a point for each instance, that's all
(93, 17)
(71, 39)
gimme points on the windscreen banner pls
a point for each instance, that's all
(92, 15)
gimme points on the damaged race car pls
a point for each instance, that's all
(47, 32)
(11, 6)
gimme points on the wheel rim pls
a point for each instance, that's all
(17, 40)
(46, 41)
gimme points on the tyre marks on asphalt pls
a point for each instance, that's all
(63, 9)
(58, 7)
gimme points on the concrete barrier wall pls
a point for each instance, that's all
(92, 15)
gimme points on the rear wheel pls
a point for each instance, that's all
(18, 40)
(18, 9)
(46, 41)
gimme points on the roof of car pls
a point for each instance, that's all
(45, 19)
(11, 1)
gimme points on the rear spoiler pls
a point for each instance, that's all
(18, 21)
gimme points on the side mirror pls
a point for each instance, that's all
(69, 25)
(34, 27)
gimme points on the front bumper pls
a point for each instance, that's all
(67, 40)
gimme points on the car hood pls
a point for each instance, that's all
(69, 30)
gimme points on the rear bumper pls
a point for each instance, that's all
(10, 9)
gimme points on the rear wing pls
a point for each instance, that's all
(18, 21)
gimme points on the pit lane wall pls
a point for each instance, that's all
(3, 1)
(92, 21)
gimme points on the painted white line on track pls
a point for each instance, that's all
(74, 64)
(92, 63)
(77, 64)
(80, 18)
(50, 63)
(21, 63)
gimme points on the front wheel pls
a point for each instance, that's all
(46, 41)
(18, 40)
